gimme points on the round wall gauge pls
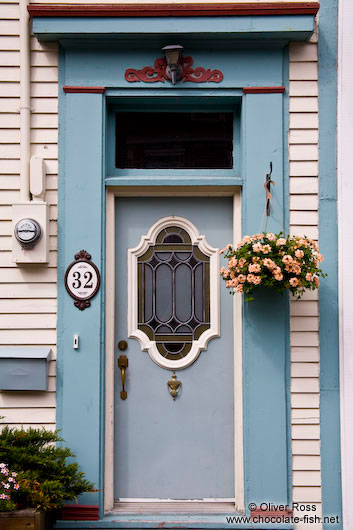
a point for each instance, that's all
(27, 232)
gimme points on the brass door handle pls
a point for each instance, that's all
(123, 363)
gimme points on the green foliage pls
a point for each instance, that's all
(45, 476)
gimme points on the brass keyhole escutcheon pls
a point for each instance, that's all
(123, 363)
(122, 345)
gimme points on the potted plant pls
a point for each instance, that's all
(271, 260)
(36, 478)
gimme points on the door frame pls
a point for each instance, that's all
(199, 191)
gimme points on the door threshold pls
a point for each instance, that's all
(173, 507)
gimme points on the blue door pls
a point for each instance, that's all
(166, 308)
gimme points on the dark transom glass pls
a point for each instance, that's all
(174, 140)
(173, 292)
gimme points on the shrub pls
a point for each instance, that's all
(46, 479)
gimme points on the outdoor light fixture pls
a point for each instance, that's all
(174, 70)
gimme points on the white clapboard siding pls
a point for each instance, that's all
(44, 121)
(28, 299)
(303, 88)
(12, 182)
(9, 57)
(307, 494)
(304, 323)
(304, 338)
(303, 136)
(6, 258)
(303, 120)
(9, 120)
(27, 275)
(304, 169)
(308, 354)
(9, 10)
(304, 185)
(306, 463)
(44, 58)
(47, 105)
(302, 52)
(305, 385)
(303, 104)
(9, 73)
(308, 478)
(40, 305)
(305, 369)
(299, 71)
(44, 90)
(9, 42)
(27, 337)
(304, 202)
(305, 432)
(25, 399)
(9, 27)
(305, 231)
(44, 136)
(303, 152)
(304, 308)
(10, 197)
(33, 415)
(12, 152)
(305, 416)
(32, 290)
(306, 447)
(302, 400)
(9, 136)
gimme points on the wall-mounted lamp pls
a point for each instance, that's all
(174, 70)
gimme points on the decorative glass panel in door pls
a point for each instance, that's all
(168, 298)
(173, 275)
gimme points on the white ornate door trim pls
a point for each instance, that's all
(133, 329)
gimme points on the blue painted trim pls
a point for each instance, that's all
(80, 373)
(185, 177)
(329, 353)
(102, 393)
(177, 181)
(82, 177)
(289, 27)
(265, 362)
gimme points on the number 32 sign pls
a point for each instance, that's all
(82, 280)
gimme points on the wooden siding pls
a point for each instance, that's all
(304, 336)
(28, 297)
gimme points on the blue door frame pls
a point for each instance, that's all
(83, 177)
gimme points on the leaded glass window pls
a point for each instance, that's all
(173, 292)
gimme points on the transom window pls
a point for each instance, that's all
(174, 140)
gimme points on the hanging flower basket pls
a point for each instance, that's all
(272, 260)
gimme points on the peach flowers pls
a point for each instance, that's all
(274, 261)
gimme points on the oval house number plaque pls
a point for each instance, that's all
(82, 280)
